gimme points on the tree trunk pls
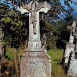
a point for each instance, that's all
(16, 62)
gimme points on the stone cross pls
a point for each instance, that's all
(33, 8)
(70, 45)
(75, 36)
(73, 57)
(35, 62)
(72, 30)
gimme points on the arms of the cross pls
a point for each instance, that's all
(33, 5)
(44, 7)
(22, 10)
(69, 27)
(72, 29)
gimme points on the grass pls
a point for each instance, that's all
(56, 57)
(10, 52)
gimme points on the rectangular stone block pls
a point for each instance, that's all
(35, 64)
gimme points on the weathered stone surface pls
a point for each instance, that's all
(73, 66)
(35, 64)
(70, 46)
(73, 62)
(33, 8)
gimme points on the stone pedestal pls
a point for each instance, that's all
(73, 68)
(35, 64)
(69, 48)
(72, 71)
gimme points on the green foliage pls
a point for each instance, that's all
(14, 26)
(51, 41)
(10, 53)
(60, 33)
(8, 40)
(6, 20)
(11, 12)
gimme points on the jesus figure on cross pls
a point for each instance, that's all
(33, 8)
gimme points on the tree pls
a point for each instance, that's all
(60, 30)
(15, 28)
(56, 6)
(18, 29)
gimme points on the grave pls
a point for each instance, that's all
(35, 62)
(73, 62)
(70, 45)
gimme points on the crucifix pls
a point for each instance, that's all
(33, 8)
(35, 62)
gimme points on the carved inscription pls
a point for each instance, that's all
(34, 45)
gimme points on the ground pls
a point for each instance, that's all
(56, 57)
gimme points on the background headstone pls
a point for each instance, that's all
(73, 62)
(70, 45)
(72, 71)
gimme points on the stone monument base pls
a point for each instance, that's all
(73, 68)
(69, 49)
(35, 64)
(72, 71)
